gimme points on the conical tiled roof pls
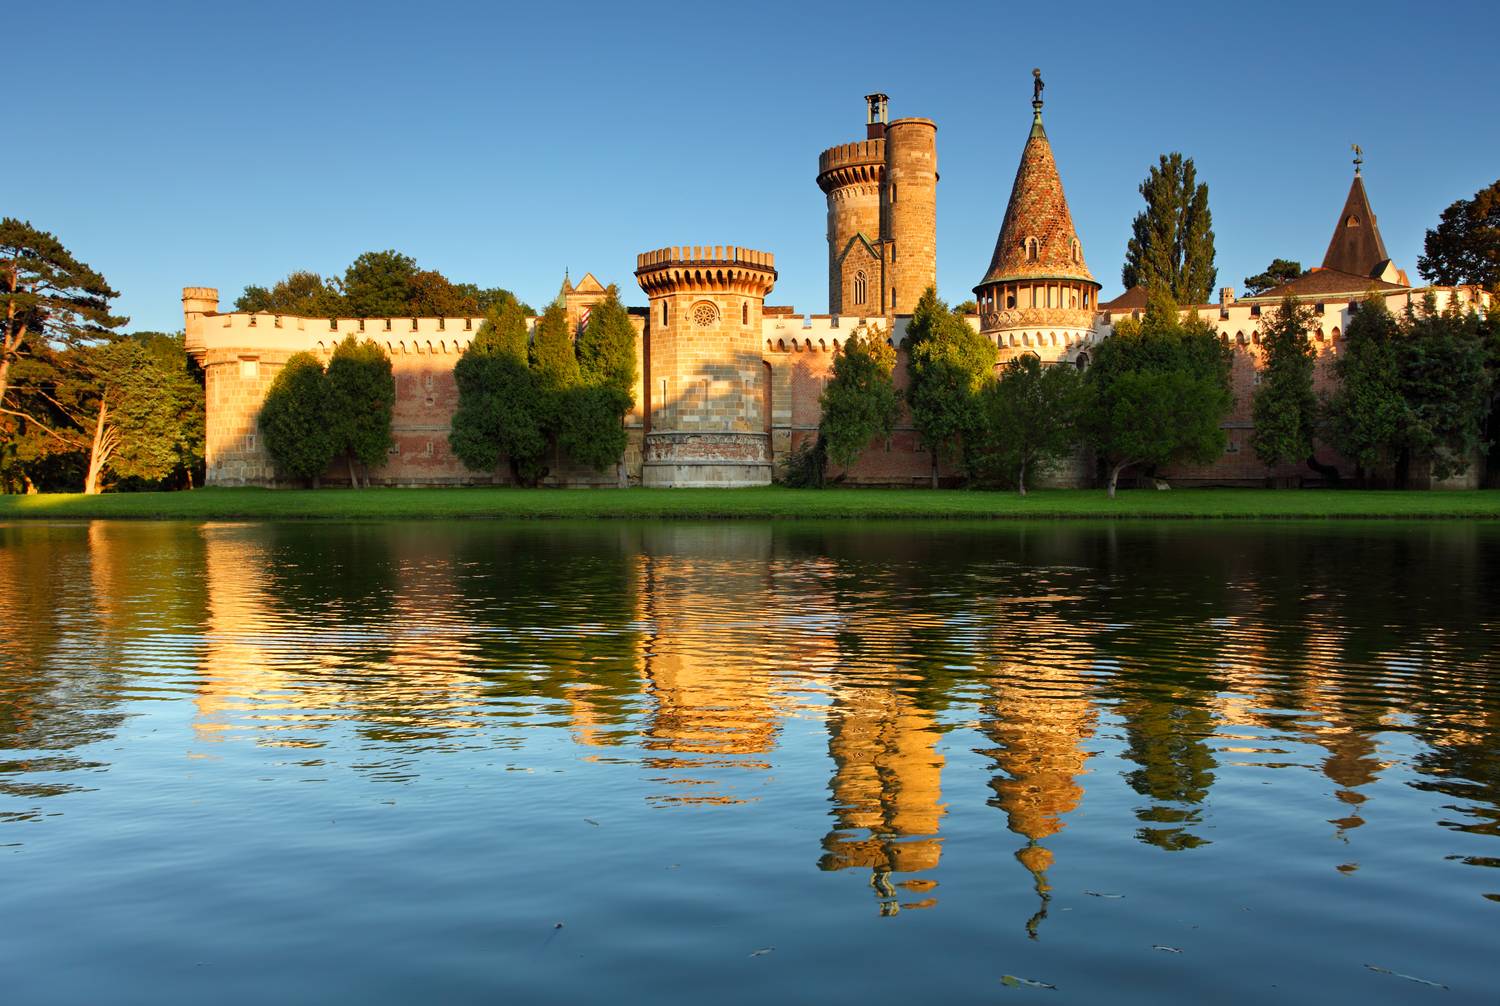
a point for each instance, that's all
(1356, 246)
(1038, 212)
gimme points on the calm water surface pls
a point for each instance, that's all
(299, 763)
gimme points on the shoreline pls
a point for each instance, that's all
(769, 503)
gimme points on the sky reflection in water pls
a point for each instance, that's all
(835, 762)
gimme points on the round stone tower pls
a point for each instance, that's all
(909, 211)
(1038, 295)
(706, 415)
(851, 176)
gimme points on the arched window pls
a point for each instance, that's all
(1353, 221)
(1031, 249)
(1082, 361)
(663, 312)
(745, 313)
(1075, 250)
(1010, 299)
(859, 288)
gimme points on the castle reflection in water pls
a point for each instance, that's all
(689, 651)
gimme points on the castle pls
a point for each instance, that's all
(729, 385)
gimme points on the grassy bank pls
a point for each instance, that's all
(412, 504)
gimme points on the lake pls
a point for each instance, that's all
(749, 762)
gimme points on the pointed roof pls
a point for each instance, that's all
(588, 284)
(1037, 215)
(1356, 247)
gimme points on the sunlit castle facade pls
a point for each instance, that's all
(728, 384)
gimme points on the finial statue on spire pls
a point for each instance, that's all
(1359, 156)
(1037, 86)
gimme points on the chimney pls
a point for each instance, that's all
(1226, 295)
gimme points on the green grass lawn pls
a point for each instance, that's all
(401, 504)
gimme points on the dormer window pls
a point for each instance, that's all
(1032, 247)
(1353, 221)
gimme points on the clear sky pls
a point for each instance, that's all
(173, 145)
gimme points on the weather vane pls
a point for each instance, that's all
(1359, 156)
(1036, 85)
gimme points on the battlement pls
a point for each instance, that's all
(851, 164)
(726, 268)
(911, 120)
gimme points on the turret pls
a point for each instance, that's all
(706, 417)
(909, 210)
(197, 303)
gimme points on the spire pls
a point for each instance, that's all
(1037, 239)
(1356, 246)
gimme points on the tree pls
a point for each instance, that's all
(431, 295)
(1280, 271)
(606, 347)
(1284, 407)
(361, 398)
(500, 410)
(47, 296)
(860, 401)
(589, 427)
(1465, 245)
(1157, 392)
(302, 295)
(379, 285)
(1029, 416)
(1444, 382)
(180, 387)
(295, 421)
(947, 362)
(1367, 414)
(491, 298)
(1173, 239)
(552, 355)
(966, 307)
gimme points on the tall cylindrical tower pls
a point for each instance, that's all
(851, 175)
(705, 383)
(909, 213)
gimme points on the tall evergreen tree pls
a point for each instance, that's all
(1284, 407)
(860, 401)
(46, 296)
(552, 355)
(361, 399)
(947, 363)
(1367, 416)
(1444, 381)
(1172, 242)
(294, 419)
(500, 408)
(606, 347)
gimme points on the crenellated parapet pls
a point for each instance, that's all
(851, 164)
(706, 268)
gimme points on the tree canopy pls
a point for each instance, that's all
(1172, 242)
(301, 294)
(606, 347)
(860, 401)
(295, 420)
(377, 284)
(1465, 245)
(1029, 416)
(1284, 406)
(1278, 272)
(361, 399)
(947, 363)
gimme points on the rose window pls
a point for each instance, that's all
(705, 314)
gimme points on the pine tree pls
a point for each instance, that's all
(361, 399)
(1172, 241)
(1465, 245)
(552, 355)
(1284, 407)
(1280, 271)
(606, 347)
(1367, 416)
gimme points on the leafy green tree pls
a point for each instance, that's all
(1278, 272)
(606, 347)
(1172, 241)
(500, 407)
(295, 420)
(491, 298)
(860, 401)
(180, 387)
(1157, 392)
(1029, 417)
(552, 355)
(590, 430)
(1367, 416)
(1465, 245)
(1445, 384)
(947, 363)
(46, 296)
(1284, 407)
(966, 307)
(361, 398)
(378, 284)
(431, 295)
(301, 294)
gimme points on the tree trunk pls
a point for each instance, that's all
(1329, 472)
(1403, 468)
(1114, 476)
(1021, 479)
(4, 376)
(620, 475)
(353, 475)
(96, 453)
(30, 485)
(189, 470)
(934, 468)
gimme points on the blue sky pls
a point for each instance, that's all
(219, 145)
